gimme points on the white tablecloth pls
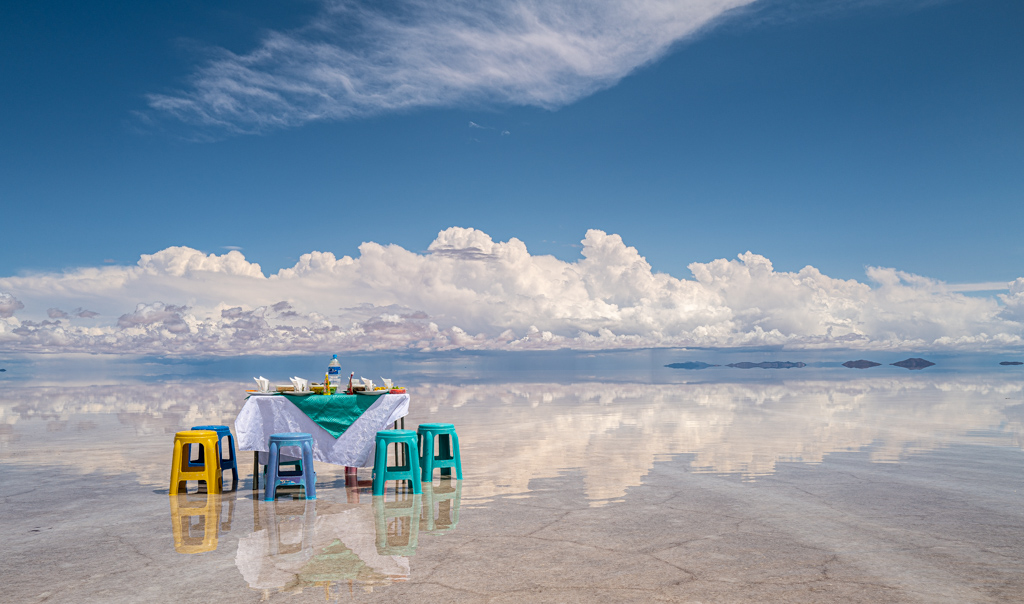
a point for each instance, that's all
(265, 415)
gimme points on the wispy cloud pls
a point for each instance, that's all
(356, 59)
(469, 291)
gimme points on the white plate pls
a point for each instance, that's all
(371, 392)
(258, 393)
(298, 393)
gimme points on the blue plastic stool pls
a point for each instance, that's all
(305, 477)
(447, 450)
(225, 464)
(409, 470)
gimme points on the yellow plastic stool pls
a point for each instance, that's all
(182, 470)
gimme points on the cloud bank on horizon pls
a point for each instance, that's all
(356, 59)
(468, 291)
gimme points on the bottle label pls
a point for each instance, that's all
(334, 372)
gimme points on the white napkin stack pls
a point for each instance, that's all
(367, 384)
(300, 384)
(263, 384)
(387, 382)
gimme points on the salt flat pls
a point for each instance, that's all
(876, 488)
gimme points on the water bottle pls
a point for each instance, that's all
(334, 372)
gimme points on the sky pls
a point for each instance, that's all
(221, 177)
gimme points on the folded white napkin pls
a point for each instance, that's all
(367, 384)
(387, 382)
(263, 384)
(300, 384)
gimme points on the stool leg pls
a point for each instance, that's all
(270, 483)
(414, 469)
(458, 456)
(175, 467)
(214, 476)
(428, 457)
(380, 464)
(233, 461)
(308, 473)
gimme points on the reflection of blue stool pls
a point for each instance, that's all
(409, 470)
(225, 464)
(306, 476)
(447, 450)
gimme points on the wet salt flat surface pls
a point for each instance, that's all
(887, 487)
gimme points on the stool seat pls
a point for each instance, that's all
(182, 469)
(407, 465)
(447, 456)
(304, 475)
(229, 462)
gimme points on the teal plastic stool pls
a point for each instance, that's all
(408, 467)
(447, 456)
(275, 478)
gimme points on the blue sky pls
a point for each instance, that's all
(841, 135)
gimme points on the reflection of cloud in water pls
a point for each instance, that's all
(613, 433)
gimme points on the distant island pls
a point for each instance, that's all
(3, 370)
(767, 365)
(861, 364)
(1002, 363)
(914, 363)
(690, 365)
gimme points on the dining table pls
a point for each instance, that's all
(343, 426)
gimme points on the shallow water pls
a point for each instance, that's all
(579, 485)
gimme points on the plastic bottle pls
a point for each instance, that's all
(334, 371)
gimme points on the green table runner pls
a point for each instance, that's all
(333, 412)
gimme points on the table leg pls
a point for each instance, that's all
(255, 470)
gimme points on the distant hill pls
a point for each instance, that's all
(861, 364)
(1002, 363)
(914, 363)
(767, 365)
(690, 365)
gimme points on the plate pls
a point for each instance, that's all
(371, 392)
(298, 393)
(259, 393)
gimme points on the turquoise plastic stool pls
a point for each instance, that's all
(225, 464)
(306, 477)
(408, 467)
(447, 450)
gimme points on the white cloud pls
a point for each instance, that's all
(469, 291)
(9, 305)
(357, 59)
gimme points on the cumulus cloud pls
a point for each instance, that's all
(9, 305)
(360, 58)
(467, 291)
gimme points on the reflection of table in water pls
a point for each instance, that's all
(298, 543)
(197, 519)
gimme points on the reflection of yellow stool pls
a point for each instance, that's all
(186, 508)
(182, 470)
